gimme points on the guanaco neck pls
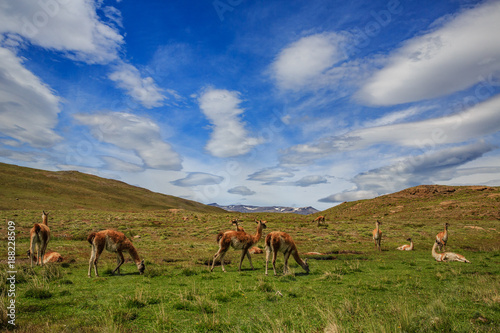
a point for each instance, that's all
(299, 261)
(133, 253)
(436, 255)
(258, 235)
(45, 218)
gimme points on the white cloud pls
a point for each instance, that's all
(241, 190)
(141, 89)
(429, 168)
(129, 131)
(72, 27)
(28, 108)
(350, 196)
(396, 117)
(303, 61)
(198, 178)
(75, 29)
(464, 51)
(229, 137)
(116, 164)
(310, 180)
(478, 121)
(270, 175)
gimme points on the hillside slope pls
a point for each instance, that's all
(425, 202)
(26, 188)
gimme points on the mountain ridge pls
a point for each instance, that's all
(267, 209)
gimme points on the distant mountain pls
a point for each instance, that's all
(270, 209)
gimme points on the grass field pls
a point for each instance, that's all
(352, 288)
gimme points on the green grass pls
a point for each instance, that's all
(389, 292)
(356, 290)
(352, 288)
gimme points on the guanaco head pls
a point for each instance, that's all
(263, 223)
(45, 216)
(141, 267)
(408, 239)
(378, 222)
(306, 266)
(446, 225)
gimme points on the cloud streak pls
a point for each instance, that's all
(28, 108)
(241, 190)
(71, 27)
(427, 66)
(139, 134)
(428, 168)
(302, 62)
(197, 179)
(478, 121)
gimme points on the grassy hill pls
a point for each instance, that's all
(26, 188)
(425, 203)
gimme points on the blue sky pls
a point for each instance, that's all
(294, 103)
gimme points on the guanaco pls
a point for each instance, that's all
(39, 239)
(319, 220)
(442, 237)
(447, 256)
(406, 247)
(238, 240)
(278, 241)
(50, 256)
(377, 235)
(112, 241)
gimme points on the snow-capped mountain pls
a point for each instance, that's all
(271, 209)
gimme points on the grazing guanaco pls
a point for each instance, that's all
(278, 241)
(447, 256)
(39, 239)
(377, 235)
(320, 219)
(406, 247)
(238, 240)
(50, 256)
(442, 238)
(112, 241)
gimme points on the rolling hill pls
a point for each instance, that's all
(424, 202)
(27, 188)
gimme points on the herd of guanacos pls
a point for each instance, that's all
(238, 239)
